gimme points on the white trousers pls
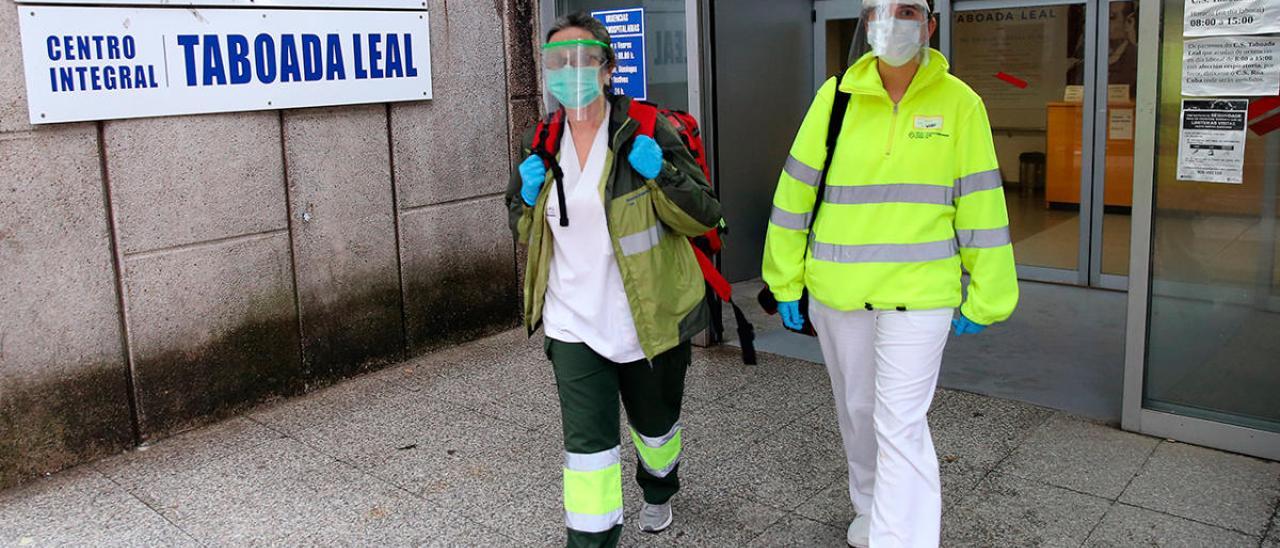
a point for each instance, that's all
(884, 370)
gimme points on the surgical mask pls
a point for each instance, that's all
(895, 41)
(575, 87)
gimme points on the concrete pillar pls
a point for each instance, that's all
(63, 380)
(451, 168)
(344, 237)
(209, 288)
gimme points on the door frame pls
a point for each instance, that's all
(1135, 417)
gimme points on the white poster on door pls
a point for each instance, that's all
(1231, 66)
(1211, 142)
(1231, 17)
(110, 63)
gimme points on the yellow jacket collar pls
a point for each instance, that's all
(864, 77)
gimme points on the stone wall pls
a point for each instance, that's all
(160, 274)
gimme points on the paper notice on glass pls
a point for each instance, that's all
(1121, 124)
(1231, 65)
(1211, 145)
(1224, 17)
(1073, 94)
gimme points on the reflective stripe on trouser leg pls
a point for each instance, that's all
(659, 455)
(907, 510)
(593, 490)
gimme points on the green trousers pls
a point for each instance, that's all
(589, 386)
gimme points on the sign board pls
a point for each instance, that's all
(345, 4)
(1211, 140)
(626, 31)
(1227, 17)
(1231, 65)
(110, 63)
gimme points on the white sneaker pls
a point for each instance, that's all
(655, 518)
(860, 532)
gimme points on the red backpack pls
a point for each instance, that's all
(546, 144)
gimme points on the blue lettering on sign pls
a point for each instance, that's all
(627, 31)
(238, 59)
(231, 59)
(312, 58)
(335, 66)
(289, 69)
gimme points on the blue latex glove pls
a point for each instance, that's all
(533, 173)
(965, 326)
(791, 316)
(646, 157)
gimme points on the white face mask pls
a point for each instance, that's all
(895, 41)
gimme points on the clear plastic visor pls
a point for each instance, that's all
(895, 31)
(572, 76)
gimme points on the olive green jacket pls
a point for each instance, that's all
(649, 222)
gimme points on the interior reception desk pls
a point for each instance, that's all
(1063, 159)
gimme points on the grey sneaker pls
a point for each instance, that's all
(859, 531)
(655, 518)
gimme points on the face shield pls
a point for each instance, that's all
(895, 31)
(572, 72)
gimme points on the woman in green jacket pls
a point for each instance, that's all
(617, 290)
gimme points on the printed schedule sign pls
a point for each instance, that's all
(1226, 17)
(626, 31)
(111, 63)
(1231, 65)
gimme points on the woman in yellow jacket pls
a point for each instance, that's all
(913, 193)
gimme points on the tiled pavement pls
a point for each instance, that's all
(461, 448)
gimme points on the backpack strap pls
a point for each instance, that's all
(646, 114)
(546, 144)
(838, 109)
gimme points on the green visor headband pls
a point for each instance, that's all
(567, 43)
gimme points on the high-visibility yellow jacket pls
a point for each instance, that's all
(914, 193)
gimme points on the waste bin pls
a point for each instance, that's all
(1031, 171)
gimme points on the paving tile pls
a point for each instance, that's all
(81, 507)
(785, 470)
(977, 431)
(185, 453)
(1273, 534)
(958, 481)
(717, 432)
(784, 388)
(1009, 511)
(351, 397)
(798, 531)
(704, 517)
(717, 372)
(1081, 456)
(1230, 491)
(283, 492)
(1126, 525)
(830, 506)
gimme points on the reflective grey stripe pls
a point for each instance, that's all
(787, 219)
(662, 440)
(580, 462)
(885, 194)
(979, 239)
(802, 172)
(641, 242)
(978, 182)
(885, 253)
(662, 473)
(593, 523)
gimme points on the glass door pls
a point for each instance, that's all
(1202, 362)
(1058, 79)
